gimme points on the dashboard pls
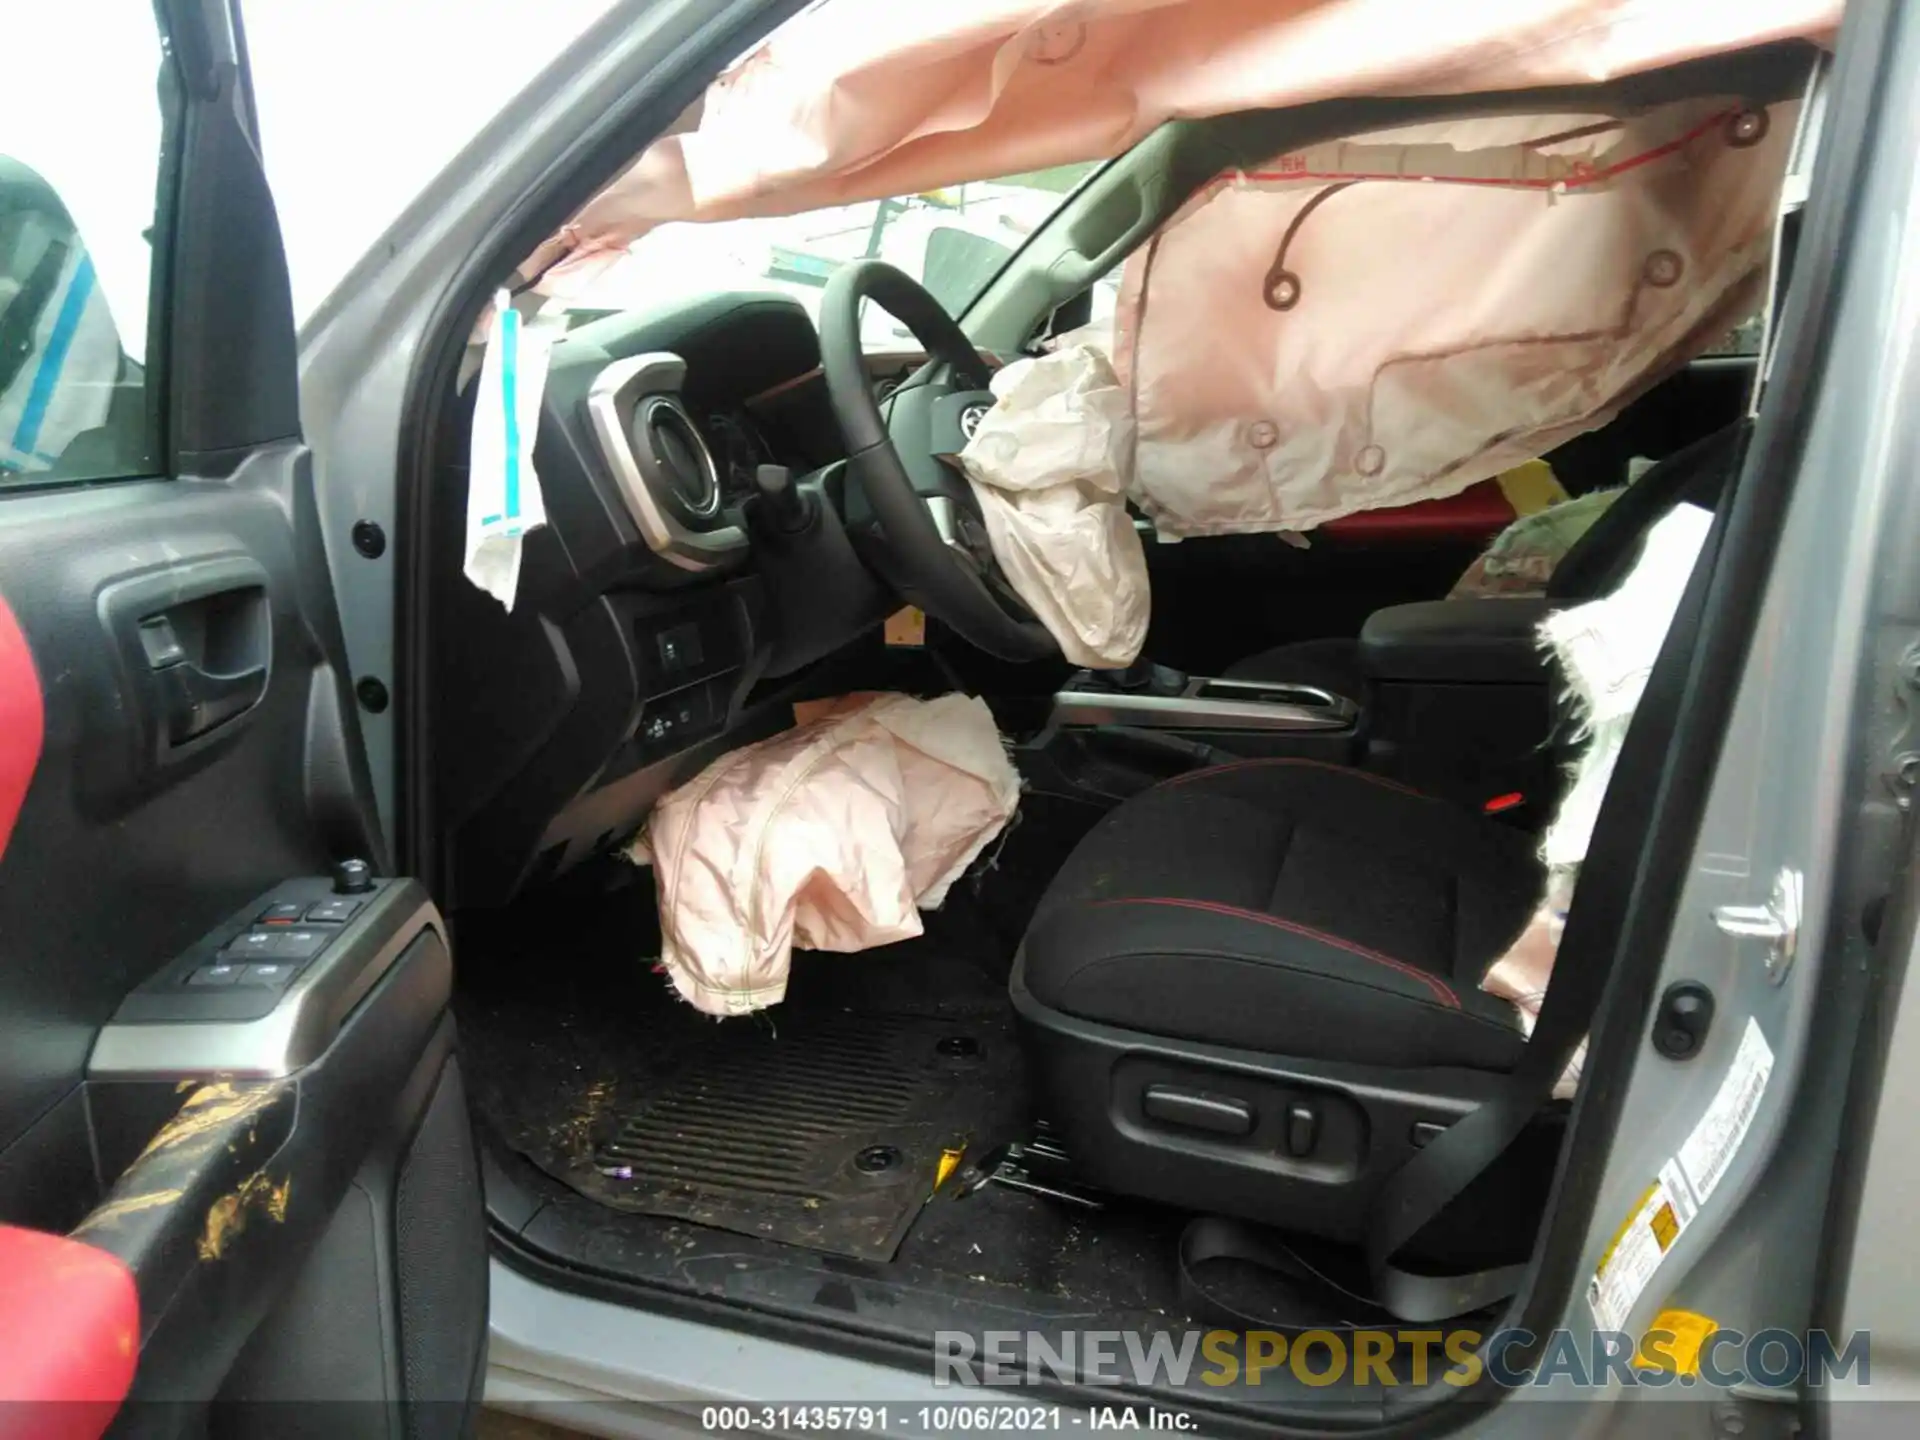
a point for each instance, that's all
(656, 615)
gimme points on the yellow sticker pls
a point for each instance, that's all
(907, 626)
(1666, 1226)
(1633, 1214)
(1673, 1342)
(1531, 487)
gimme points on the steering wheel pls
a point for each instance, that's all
(925, 507)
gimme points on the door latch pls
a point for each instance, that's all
(1777, 922)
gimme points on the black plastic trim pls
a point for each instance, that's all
(593, 159)
(232, 357)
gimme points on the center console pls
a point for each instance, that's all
(1202, 703)
(1460, 702)
(1456, 701)
(1111, 734)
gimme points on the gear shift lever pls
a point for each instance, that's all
(1143, 677)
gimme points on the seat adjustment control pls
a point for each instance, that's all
(1303, 1129)
(1191, 1110)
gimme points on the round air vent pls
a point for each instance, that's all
(666, 433)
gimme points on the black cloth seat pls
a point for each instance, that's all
(1593, 565)
(1290, 908)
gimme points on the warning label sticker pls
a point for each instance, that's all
(1668, 1206)
(1711, 1146)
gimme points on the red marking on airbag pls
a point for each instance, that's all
(1477, 513)
(69, 1336)
(22, 721)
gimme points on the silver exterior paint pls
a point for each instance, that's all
(1801, 785)
(597, 1367)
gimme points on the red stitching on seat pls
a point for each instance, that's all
(1366, 775)
(1443, 991)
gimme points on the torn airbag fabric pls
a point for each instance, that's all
(831, 836)
(1294, 359)
(1050, 464)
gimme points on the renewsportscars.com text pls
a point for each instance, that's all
(1775, 1359)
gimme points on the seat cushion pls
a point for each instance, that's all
(1292, 908)
(1333, 665)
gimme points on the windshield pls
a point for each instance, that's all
(953, 241)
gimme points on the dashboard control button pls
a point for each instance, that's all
(282, 914)
(680, 647)
(331, 912)
(221, 972)
(676, 719)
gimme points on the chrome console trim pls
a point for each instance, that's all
(616, 390)
(1210, 704)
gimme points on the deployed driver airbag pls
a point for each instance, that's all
(1050, 464)
(833, 836)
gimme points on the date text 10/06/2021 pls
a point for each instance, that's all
(977, 1418)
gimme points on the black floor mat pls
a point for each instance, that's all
(820, 1122)
(823, 1131)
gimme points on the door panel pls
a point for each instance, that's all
(123, 855)
(179, 745)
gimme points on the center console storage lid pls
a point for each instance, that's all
(1478, 641)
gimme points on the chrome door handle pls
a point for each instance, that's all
(1777, 922)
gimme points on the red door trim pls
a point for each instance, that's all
(22, 721)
